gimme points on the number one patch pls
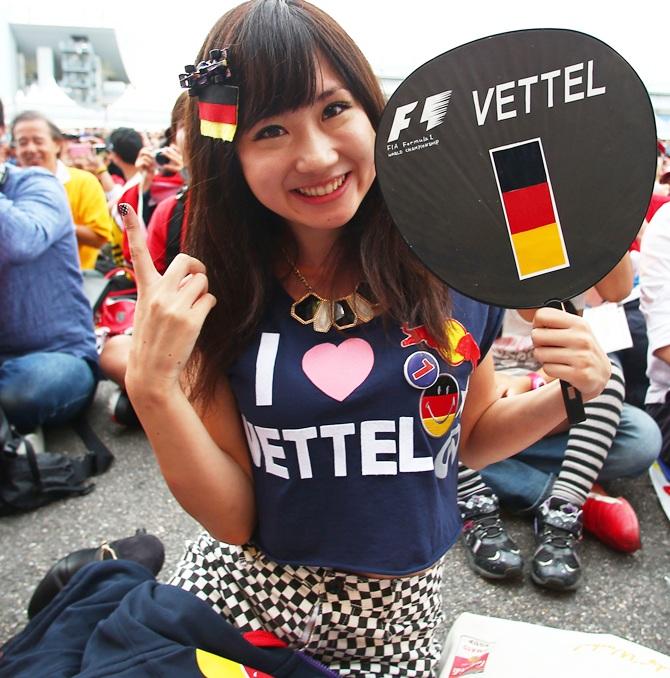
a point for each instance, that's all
(530, 209)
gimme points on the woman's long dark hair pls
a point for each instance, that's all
(272, 48)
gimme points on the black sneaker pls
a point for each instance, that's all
(490, 550)
(123, 412)
(558, 528)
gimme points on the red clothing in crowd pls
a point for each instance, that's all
(158, 232)
(162, 187)
(656, 201)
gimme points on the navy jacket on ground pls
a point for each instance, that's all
(114, 619)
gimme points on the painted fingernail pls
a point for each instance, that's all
(123, 209)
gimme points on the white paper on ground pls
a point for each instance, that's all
(489, 647)
(610, 326)
(662, 486)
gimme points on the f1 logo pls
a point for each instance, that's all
(434, 110)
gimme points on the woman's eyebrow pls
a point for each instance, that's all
(329, 92)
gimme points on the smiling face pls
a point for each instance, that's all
(35, 147)
(314, 165)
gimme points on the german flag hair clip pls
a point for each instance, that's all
(217, 101)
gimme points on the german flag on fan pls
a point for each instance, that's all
(217, 106)
(529, 206)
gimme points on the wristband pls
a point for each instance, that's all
(536, 380)
(100, 170)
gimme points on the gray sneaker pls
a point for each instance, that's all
(491, 552)
(558, 528)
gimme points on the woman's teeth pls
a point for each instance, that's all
(323, 190)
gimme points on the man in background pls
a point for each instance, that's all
(38, 143)
(48, 358)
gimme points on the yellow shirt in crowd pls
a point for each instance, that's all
(88, 206)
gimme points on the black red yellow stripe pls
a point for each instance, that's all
(218, 109)
(529, 207)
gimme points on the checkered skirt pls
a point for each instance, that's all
(356, 625)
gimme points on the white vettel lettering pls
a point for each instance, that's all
(386, 448)
(508, 96)
(448, 453)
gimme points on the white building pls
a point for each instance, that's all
(71, 69)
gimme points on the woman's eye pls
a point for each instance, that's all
(270, 132)
(335, 108)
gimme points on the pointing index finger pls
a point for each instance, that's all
(143, 265)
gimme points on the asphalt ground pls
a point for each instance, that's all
(627, 595)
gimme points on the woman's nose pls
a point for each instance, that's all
(316, 151)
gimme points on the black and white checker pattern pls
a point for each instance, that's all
(355, 625)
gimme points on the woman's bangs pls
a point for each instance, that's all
(279, 69)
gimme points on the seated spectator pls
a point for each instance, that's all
(165, 239)
(165, 233)
(38, 144)
(655, 303)
(124, 145)
(161, 170)
(48, 358)
(554, 480)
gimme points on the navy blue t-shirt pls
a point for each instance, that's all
(354, 436)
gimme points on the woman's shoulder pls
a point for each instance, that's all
(473, 310)
(475, 320)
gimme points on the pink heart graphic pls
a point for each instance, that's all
(339, 370)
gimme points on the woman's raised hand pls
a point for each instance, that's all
(169, 315)
(566, 348)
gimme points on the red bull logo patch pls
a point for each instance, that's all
(417, 335)
(462, 345)
(438, 406)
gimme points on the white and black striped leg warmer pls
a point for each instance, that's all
(470, 483)
(590, 441)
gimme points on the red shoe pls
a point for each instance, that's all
(612, 520)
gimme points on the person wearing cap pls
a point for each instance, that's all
(38, 144)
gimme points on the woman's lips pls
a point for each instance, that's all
(324, 192)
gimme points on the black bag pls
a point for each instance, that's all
(30, 479)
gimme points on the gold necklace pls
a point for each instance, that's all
(322, 314)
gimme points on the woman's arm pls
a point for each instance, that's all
(618, 283)
(495, 428)
(202, 452)
(205, 461)
(87, 236)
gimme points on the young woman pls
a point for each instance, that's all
(322, 464)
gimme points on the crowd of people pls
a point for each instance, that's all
(289, 246)
(97, 171)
